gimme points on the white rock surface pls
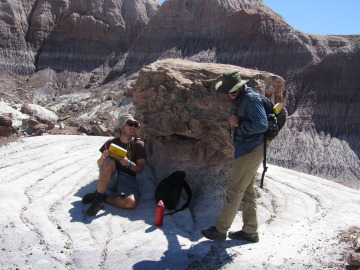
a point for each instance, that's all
(43, 223)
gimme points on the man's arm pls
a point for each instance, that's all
(258, 120)
(137, 167)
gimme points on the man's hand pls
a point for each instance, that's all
(124, 161)
(234, 120)
(106, 154)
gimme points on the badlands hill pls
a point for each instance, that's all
(81, 59)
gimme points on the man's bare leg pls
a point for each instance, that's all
(106, 172)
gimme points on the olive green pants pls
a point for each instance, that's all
(241, 189)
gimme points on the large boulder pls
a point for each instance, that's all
(185, 122)
(6, 128)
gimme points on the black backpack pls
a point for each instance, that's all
(169, 191)
(276, 123)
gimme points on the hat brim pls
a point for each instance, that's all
(124, 119)
(132, 119)
(220, 88)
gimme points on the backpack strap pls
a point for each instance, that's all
(189, 195)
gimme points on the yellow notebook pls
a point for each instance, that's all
(117, 151)
(277, 108)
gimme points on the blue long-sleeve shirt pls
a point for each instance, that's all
(252, 125)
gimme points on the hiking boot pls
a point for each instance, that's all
(213, 234)
(94, 208)
(240, 235)
(88, 198)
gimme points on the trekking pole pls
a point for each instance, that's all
(264, 165)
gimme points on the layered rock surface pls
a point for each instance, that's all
(245, 33)
(69, 35)
(15, 52)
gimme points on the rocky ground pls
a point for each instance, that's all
(60, 103)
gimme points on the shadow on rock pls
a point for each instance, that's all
(205, 255)
(77, 213)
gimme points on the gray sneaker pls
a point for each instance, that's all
(94, 208)
(213, 234)
(240, 235)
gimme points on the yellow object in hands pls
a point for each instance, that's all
(117, 151)
(277, 108)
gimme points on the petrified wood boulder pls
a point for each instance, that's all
(185, 122)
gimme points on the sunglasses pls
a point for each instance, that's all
(130, 124)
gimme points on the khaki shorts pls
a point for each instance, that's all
(123, 184)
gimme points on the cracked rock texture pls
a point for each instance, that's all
(186, 121)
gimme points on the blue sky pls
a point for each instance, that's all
(325, 17)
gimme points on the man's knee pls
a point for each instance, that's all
(131, 204)
(125, 203)
(234, 195)
(109, 165)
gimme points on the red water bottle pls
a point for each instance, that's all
(159, 216)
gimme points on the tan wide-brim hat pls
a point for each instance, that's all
(122, 120)
(231, 81)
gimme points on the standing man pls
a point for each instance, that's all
(248, 117)
(118, 175)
